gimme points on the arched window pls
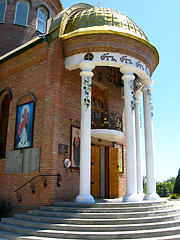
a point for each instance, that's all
(4, 123)
(21, 14)
(41, 20)
(2, 10)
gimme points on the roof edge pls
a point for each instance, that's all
(21, 49)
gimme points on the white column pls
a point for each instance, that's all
(131, 178)
(138, 96)
(149, 143)
(85, 144)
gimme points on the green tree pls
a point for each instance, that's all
(165, 191)
(159, 187)
(177, 184)
(170, 186)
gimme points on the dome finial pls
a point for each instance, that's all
(99, 4)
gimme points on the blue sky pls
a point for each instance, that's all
(160, 20)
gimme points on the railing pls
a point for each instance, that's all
(32, 186)
(106, 120)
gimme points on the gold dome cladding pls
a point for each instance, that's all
(103, 17)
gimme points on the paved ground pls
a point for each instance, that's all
(175, 202)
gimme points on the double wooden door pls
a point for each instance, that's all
(111, 172)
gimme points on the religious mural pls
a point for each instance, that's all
(75, 146)
(24, 126)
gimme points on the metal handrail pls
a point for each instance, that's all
(32, 186)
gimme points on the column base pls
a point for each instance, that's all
(151, 197)
(141, 195)
(131, 198)
(84, 198)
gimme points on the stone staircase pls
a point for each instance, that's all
(106, 219)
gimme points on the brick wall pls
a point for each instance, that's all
(40, 71)
(13, 36)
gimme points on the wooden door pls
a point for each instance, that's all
(95, 171)
(97, 105)
(113, 172)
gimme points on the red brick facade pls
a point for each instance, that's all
(40, 71)
(36, 72)
(12, 35)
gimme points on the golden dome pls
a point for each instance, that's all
(102, 20)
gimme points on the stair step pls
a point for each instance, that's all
(90, 228)
(106, 210)
(47, 219)
(91, 235)
(111, 220)
(13, 236)
(10, 236)
(103, 215)
(112, 204)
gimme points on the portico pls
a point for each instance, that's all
(130, 67)
(107, 38)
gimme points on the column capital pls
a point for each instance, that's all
(86, 67)
(147, 82)
(127, 69)
(87, 64)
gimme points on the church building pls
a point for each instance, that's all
(71, 85)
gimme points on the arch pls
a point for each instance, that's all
(3, 5)
(45, 8)
(30, 2)
(6, 90)
(21, 13)
(26, 94)
(42, 16)
(4, 116)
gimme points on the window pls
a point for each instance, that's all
(21, 14)
(2, 10)
(41, 20)
(4, 124)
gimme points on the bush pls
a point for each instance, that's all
(173, 196)
(4, 209)
(165, 192)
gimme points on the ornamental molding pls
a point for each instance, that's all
(109, 59)
(149, 94)
(87, 89)
(131, 85)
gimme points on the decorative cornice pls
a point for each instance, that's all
(111, 43)
(106, 30)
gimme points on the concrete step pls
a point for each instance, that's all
(105, 221)
(9, 236)
(107, 210)
(15, 236)
(109, 204)
(78, 221)
(91, 228)
(91, 235)
(103, 215)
